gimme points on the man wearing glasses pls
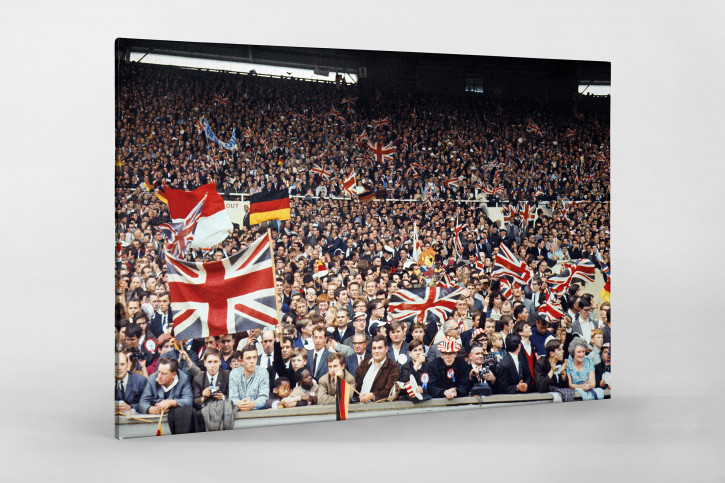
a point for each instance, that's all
(359, 343)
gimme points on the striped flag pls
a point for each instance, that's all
(551, 310)
(373, 195)
(270, 205)
(604, 293)
(507, 264)
(180, 232)
(584, 269)
(348, 184)
(505, 288)
(531, 127)
(424, 304)
(559, 283)
(342, 398)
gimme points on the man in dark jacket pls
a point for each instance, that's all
(512, 374)
(449, 373)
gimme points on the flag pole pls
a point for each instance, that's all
(271, 253)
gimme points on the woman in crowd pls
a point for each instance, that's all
(580, 371)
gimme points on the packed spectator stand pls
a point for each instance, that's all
(448, 154)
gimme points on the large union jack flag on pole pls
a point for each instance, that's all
(381, 153)
(424, 304)
(223, 296)
(507, 264)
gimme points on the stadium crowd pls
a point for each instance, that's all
(447, 151)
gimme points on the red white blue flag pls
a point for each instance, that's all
(506, 263)
(223, 296)
(180, 233)
(424, 304)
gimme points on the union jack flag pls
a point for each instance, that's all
(570, 133)
(451, 182)
(559, 283)
(551, 310)
(199, 125)
(325, 173)
(584, 269)
(221, 100)
(506, 263)
(180, 232)
(493, 190)
(264, 145)
(247, 132)
(531, 127)
(588, 178)
(381, 153)
(578, 115)
(381, 122)
(348, 100)
(446, 281)
(348, 184)
(424, 304)
(510, 213)
(479, 264)
(526, 212)
(336, 114)
(457, 237)
(225, 296)
(603, 266)
(505, 288)
(601, 157)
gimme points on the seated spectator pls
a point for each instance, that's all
(377, 374)
(327, 387)
(167, 388)
(512, 374)
(249, 384)
(551, 372)
(481, 371)
(212, 383)
(449, 374)
(304, 393)
(417, 368)
(129, 385)
(603, 370)
(580, 371)
(398, 349)
(281, 390)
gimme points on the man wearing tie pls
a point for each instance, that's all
(129, 385)
(359, 343)
(163, 320)
(535, 295)
(512, 373)
(317, 357)
(212, 383)
(266, 358)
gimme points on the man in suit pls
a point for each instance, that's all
(327, 387)
(359, 344)
(581, 324)
(166, 389)
(317, 356)
(163, 321)
(344, 329)
(211, 378)
(512, 373)
(129, 385)
(535, 295)
(377, 374)
(398, 347)
(518, 296)
(266, 358)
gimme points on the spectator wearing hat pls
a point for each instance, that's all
(450, 329)
(376, 375)
(166, 389)
(512, 373)
(449, 374)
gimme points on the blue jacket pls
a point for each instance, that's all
(153, 393)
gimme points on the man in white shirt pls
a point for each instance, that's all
(582, 325)
(377, 374)
(266, 358)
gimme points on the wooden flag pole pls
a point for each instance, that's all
(271, 253)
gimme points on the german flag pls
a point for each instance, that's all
(344, 391)
(373, 195)
(604, 292)
(271, 205)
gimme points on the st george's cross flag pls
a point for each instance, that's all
(424, 304)
(223, 296)
(214, 224)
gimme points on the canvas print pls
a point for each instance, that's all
(307, 234)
